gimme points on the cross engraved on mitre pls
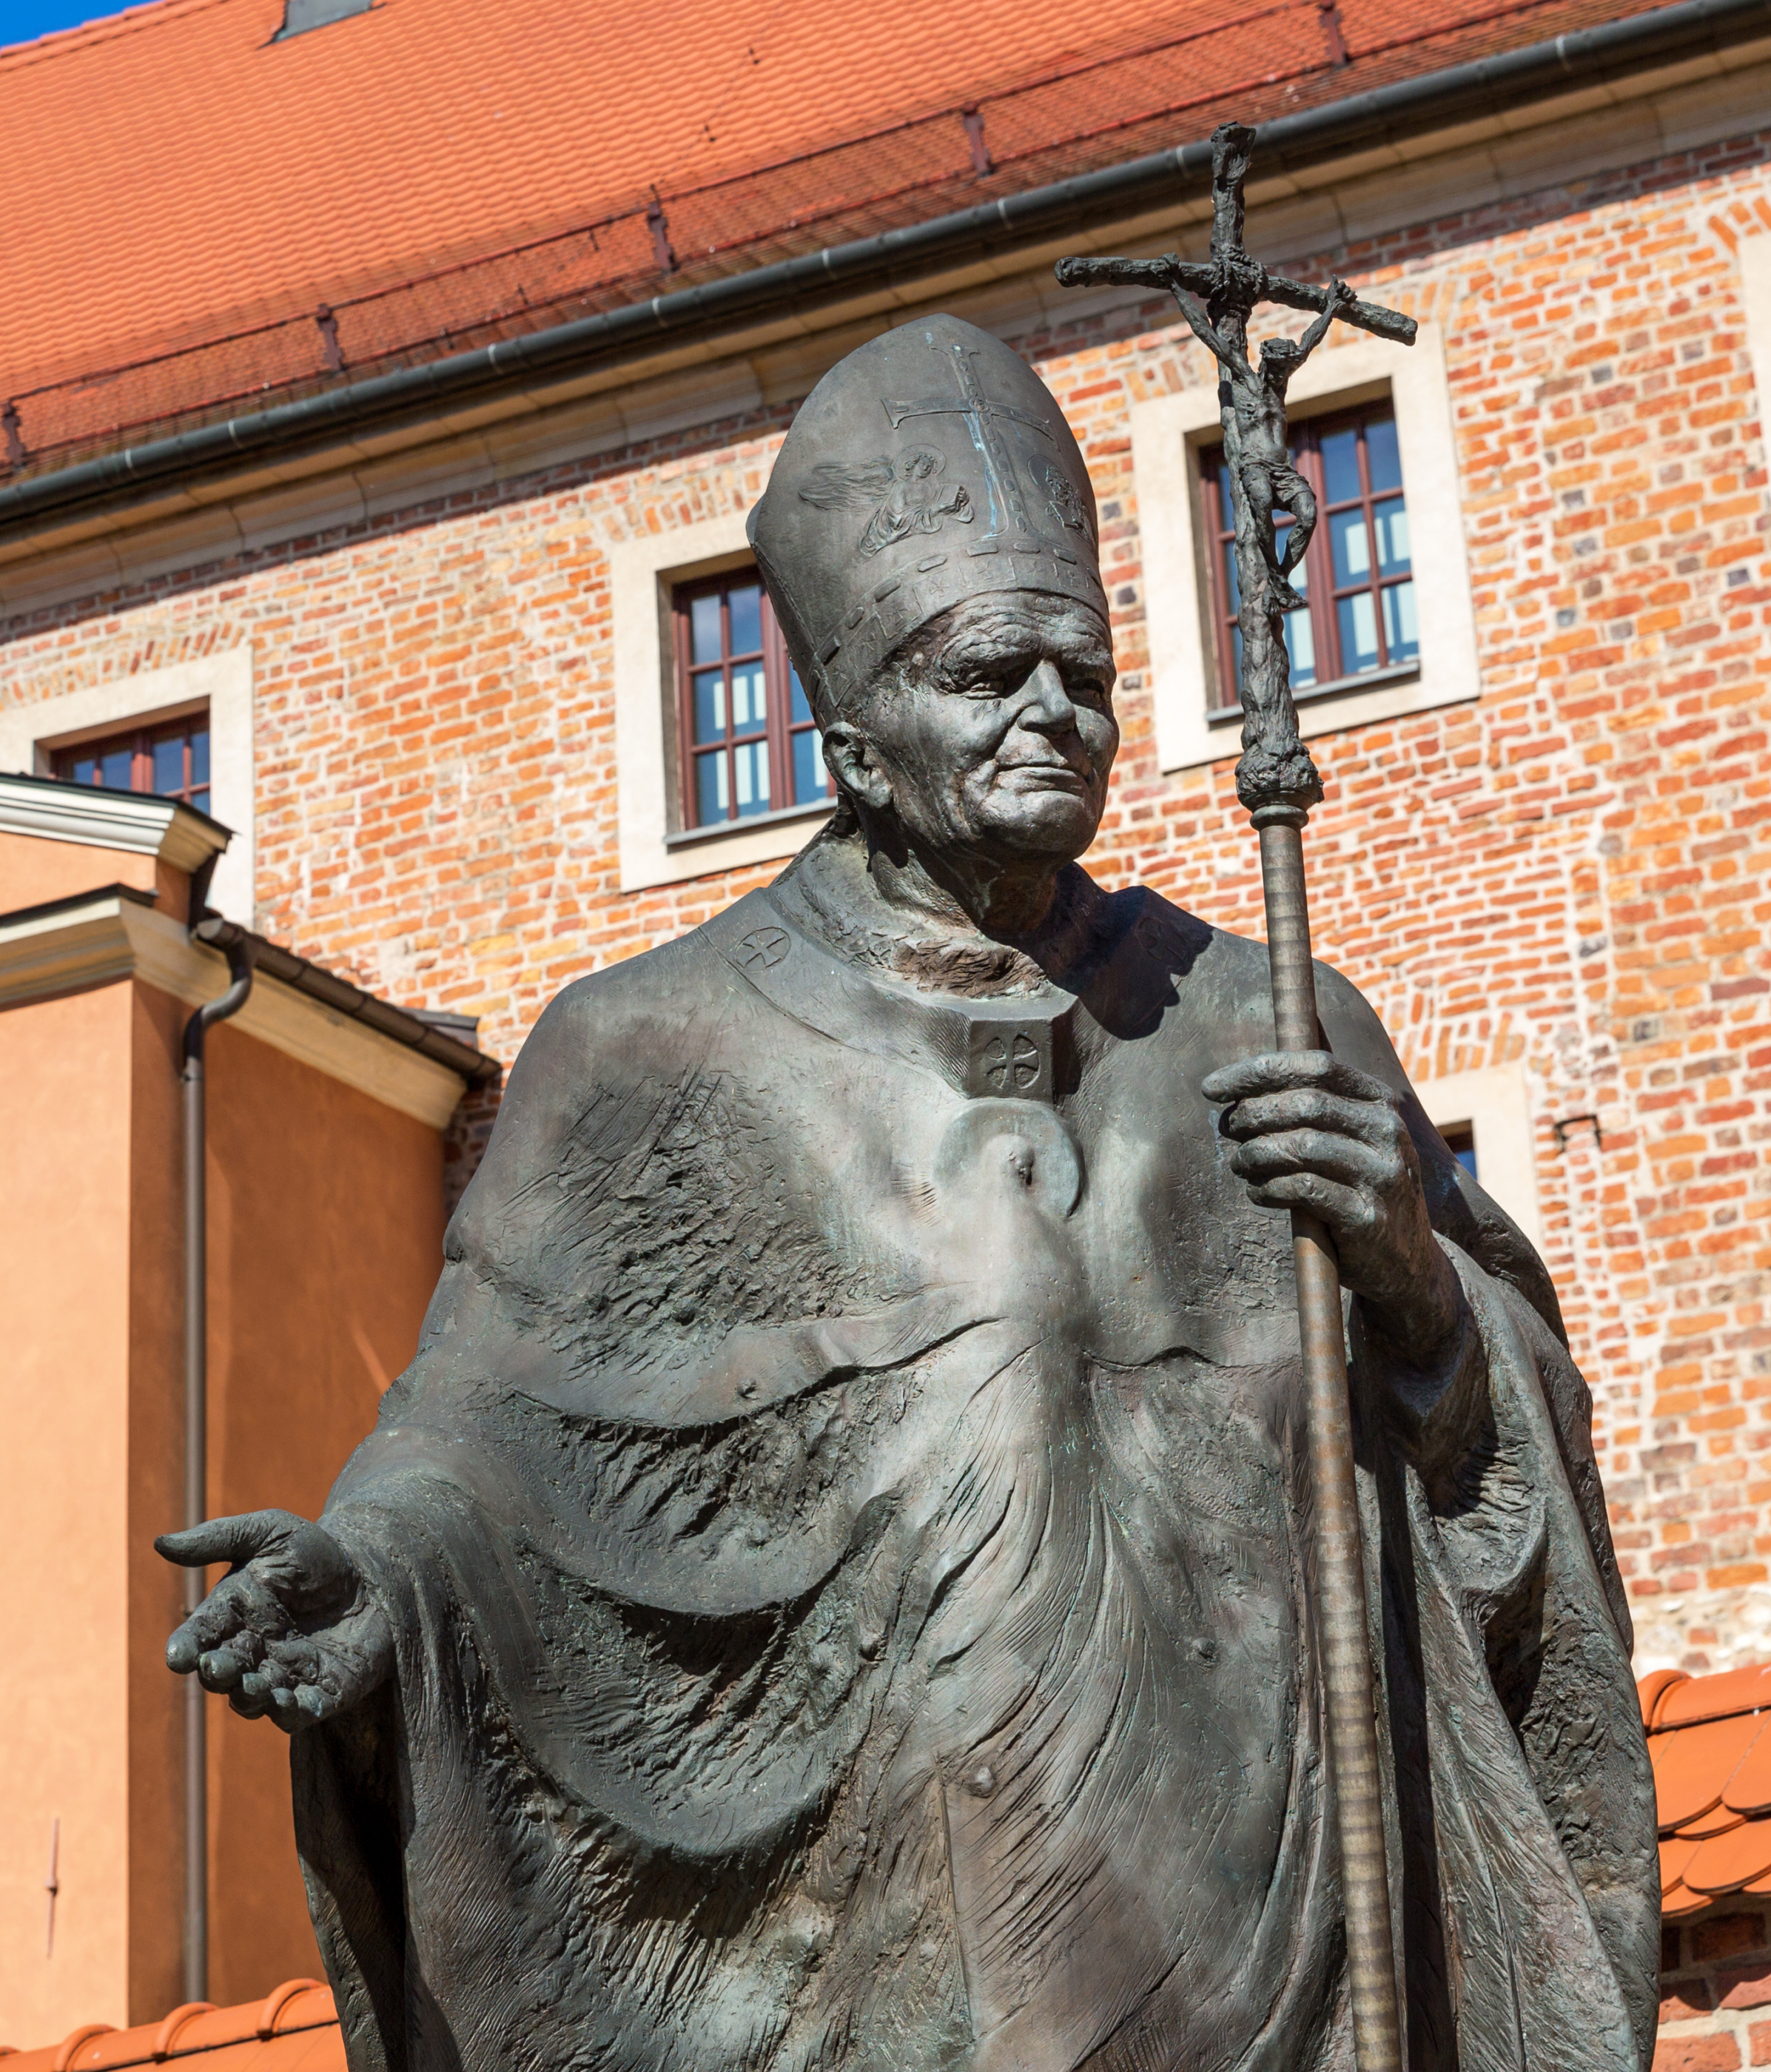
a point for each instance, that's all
(984, 420)
(909, 497)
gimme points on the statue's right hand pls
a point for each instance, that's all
(292, 1630)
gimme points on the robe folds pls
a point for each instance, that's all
(847, 1530)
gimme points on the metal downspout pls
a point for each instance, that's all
(196, 1445)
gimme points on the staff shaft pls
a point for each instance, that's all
(1343, 1639)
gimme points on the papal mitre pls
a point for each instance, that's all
(930, 466)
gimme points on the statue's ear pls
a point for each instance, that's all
(852, 762)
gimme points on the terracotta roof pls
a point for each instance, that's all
(295, 2030)
(1709, 1738)
(184, 193)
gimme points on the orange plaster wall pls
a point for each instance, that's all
(65, 1236)
(34, 871)
(326, 1226)
(326, 1233)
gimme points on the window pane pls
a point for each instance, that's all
(1358, 632)
(1232, 594)
(810, 780)
(1351, 546)
(116, 768)
(1235, 688)
(1301, 645)
(746, 609)
(704, 629)
(711, 795)
(199, 756)
(1382, 456)
(169, 765)
(751, 777)
(1400, 631)
(749, 699)
(709, 694)
(86, 770)
(800, 703)
(1227, 509)
(200, 799)
(1390, 521)
(1341, 466)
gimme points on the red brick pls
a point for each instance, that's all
(1727, 1935)
(1749, 1987)
(1718, 2053)
(1683, 2002)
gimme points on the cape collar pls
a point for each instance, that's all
(1019, 1047)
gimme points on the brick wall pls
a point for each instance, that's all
(1569, 874)
(1716, 1991)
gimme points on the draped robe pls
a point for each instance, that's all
(846, 1531)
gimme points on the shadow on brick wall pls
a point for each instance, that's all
(465, 1140)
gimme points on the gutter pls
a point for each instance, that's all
(403, 1026)
(196, 1453)
(1363, 122)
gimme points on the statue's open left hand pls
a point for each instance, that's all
(1313, 1133)
(292, 1630)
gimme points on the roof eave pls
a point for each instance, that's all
(1384, 116)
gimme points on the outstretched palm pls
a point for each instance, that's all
(292, 1630)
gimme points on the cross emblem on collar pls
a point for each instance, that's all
(981, 414)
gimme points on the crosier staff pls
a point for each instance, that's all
(1277, 781)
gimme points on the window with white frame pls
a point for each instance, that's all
(185, 731)
(746, 741)
(718, 764)
(1485, 1117)
(1388, 626)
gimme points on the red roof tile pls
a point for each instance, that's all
(1729, 1861)
(1696, 1698)
(295, 2030)
(1709, 1738)
(184, 191)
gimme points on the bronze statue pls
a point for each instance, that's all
(834, 1589)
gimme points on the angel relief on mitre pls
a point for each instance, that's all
(905, 498)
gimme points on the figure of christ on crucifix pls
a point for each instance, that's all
(1256, 434)
(1275, 767)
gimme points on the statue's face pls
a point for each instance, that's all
(992, 734)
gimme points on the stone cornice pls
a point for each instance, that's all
(134, 822)
(115, 934)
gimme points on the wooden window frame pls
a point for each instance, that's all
(140, 742)
(1459, 1137)
(1323, 596)
(781, 728)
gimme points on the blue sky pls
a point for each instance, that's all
(20, 20)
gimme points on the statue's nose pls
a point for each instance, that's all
(1049, 707)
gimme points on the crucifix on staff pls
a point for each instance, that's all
(1277, 781)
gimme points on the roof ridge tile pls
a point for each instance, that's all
(256, 2036)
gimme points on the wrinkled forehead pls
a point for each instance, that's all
(1022, 622)
(930, 468)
